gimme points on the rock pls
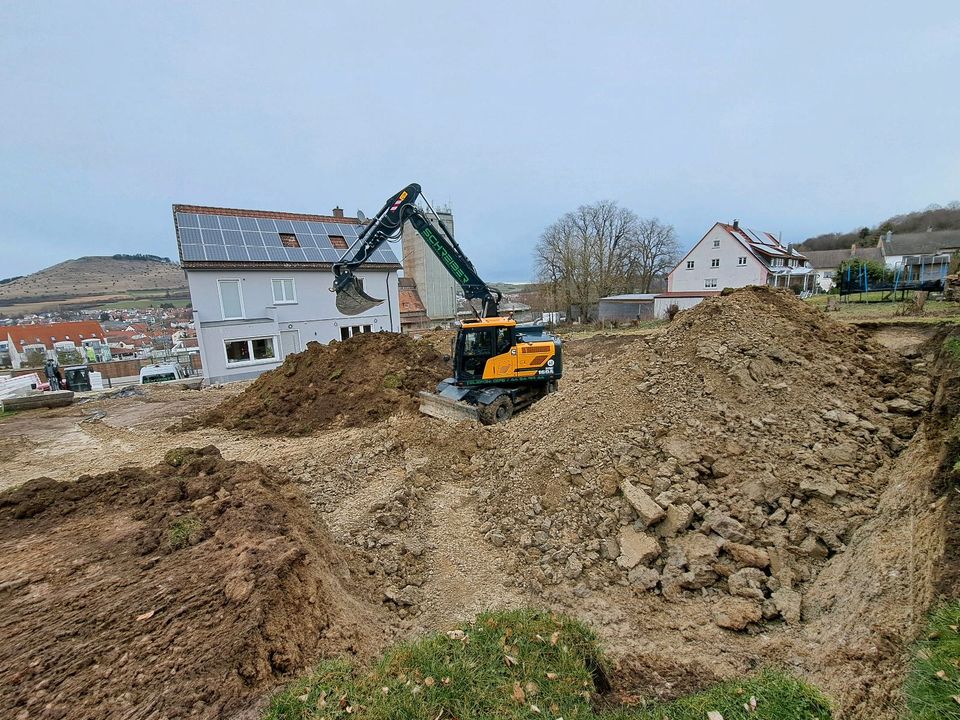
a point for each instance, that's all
(496, 539)
(902, 406)
(647, 509)
(677, 519)
(734, 613)
(609, 482)
(840, 454)
(573, 568)
(681, 450)
(814, 547)
(844, 418)
(788, 604)
(636, 548)
(825, 488)
(747, 583)
(728, 528)
(643, 577)
(903, 427)
(610, 548)
(748, 555)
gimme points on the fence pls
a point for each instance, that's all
(130, 368)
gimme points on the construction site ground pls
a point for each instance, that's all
(799, 519)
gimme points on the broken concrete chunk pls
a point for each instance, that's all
(679, 448)
(788, 603)
(734, 613)
(643, 577)
(748, 555)
(677, 519)
(646, 507)
(636, 548)
(747, 583)
(726, 527)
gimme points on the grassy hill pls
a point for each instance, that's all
(93, 281)
(934, 216)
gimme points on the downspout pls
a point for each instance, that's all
(389, 302)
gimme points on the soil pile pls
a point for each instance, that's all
(730, 456)
(355, 382)
(185, 589)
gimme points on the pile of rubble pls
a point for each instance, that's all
(730, 455)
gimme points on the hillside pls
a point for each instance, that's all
(91, 280)
(934, 217)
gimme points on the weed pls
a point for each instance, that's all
(182, 530)
(516, 664)
(951, 347)
(932, 688)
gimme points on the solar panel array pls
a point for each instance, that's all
(229, 238)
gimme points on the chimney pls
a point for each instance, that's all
(736, 224)
(338, 212)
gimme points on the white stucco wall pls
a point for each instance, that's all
(729, 274)
(662, 304)
(314, 316)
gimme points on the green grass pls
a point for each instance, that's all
(932, 689)
(853, 309)
(951, 346)
(182, 530)
(511, 665)
(140, 304)
(4, 414)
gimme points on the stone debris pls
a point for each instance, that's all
(732, 454)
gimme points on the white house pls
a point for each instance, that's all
(730, 256)
(260, 285)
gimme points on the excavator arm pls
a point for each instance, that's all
(388, 224)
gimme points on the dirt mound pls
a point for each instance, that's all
(731, 455)
(185, 589)
(354, 382)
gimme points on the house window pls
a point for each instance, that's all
(284, 292)
(231, 302)
(778, 262)
(710, 283)
(289, 240)
(716, 243)
(741, 261)
(715, 262)
(689, 264)
(250, 350)
(338, 242)
(348, 331)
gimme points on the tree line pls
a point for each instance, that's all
(599, 250)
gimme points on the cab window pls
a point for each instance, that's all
(503, 340)
(477, 343)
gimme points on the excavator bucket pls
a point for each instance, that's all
(446, 408)
(352, 300)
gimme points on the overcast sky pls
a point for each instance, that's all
(799, 118)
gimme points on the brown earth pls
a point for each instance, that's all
(355, 382)
(811, 460)
(188, 588)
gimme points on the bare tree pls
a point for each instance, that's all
(601, 249)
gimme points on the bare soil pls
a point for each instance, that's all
(185, 589)
(817, 447)
(354, 382)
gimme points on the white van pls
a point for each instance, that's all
(161, 373)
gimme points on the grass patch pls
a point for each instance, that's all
(4, 414)
(511, 665)
(182, 531)
(932, 689)
(951, 347)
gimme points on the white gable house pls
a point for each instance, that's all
(260, 285)
(730, 256)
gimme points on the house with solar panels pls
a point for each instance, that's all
(260, 285)
(730, 256)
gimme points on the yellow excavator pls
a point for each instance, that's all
(499, 366)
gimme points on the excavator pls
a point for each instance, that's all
(499, 366)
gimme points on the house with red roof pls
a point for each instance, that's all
(32, 345)
(731, 256)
